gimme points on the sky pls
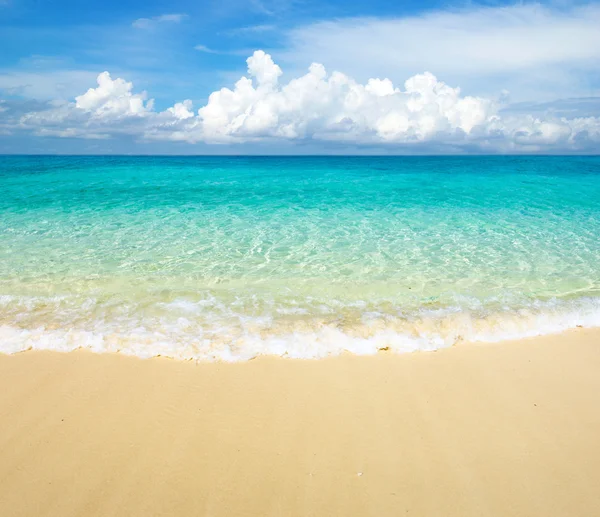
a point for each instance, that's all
(299, 77)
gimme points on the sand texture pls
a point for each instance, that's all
(509, 429)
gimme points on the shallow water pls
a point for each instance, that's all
(229, 258)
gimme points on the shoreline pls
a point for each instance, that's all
(328, 343)
(507, 428)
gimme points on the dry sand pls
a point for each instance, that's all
(508, 429)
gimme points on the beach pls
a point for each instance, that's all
(297, 336)
(496, 429)
(280, 258)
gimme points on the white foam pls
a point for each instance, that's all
(193, 332)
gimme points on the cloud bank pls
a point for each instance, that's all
(530, 49)
(317, 106)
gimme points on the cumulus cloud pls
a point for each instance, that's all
(113, 98)
(318, 106)
(95, 113)
(149, 23)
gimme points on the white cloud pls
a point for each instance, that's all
(532, 50)
(204, 48)
(94, 114)
(45, 84)
(318, 106)
(182, 110)
(336, 107)
(149, 23)
(252, 29)
(113, 98)
(71, 133)
(4, 130)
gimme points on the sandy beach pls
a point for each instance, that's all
(476, 430)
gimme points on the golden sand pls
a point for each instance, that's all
(510, 429)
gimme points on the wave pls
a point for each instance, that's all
(209, 330)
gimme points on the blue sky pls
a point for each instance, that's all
(532, 69)
(46, 38)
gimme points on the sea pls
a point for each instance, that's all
(231, 258)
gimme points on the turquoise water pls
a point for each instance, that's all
(229, 258)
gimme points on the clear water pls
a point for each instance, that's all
(229, 258)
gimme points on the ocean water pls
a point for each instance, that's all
(228, 258)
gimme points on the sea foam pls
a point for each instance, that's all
(184, 330)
